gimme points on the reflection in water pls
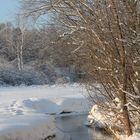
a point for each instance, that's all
(74, 129)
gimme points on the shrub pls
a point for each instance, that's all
(15, 77)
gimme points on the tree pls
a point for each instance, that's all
(6, 41)
(108, 33)
(18, 39)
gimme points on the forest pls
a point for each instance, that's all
(36, 56)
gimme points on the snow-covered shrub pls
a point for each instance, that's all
(32, 78)
(49, 72)
(66, 74)
(15, 77)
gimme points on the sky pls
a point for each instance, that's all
(8, 10)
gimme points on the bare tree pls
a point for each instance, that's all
(18, 39)
(19, 34)
(108, 36)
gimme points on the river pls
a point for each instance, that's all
(74, 129)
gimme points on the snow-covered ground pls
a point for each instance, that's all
(25, 111)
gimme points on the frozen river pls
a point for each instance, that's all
(23, 113)
(74, 129)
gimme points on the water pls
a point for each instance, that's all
(74, 129)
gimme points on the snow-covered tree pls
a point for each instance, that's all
(108, 36)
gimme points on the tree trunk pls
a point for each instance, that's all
(123, 98)
(19, 47)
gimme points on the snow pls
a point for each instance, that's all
(135, 136)
(100, 120)
(96, 116)
(26, 127)
(25, 111)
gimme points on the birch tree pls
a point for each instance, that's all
(18, 37)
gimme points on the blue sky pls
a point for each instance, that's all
(8, 10)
